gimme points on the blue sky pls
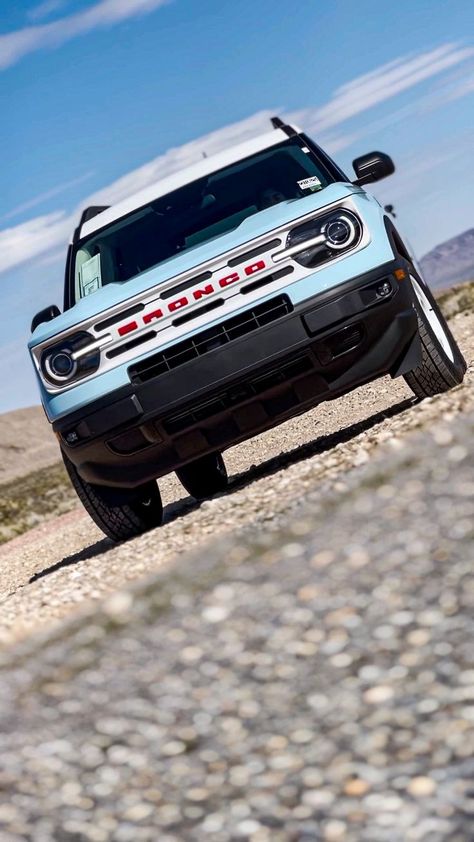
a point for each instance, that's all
(100, 97)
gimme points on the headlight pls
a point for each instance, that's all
(71, 359)
(60, 365)
(341, 232)
(330, 235)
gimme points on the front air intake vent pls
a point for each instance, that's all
(286, 372)
(209, 340)
(256, 252)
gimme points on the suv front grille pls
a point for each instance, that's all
(209, 340)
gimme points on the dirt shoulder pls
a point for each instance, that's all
(26, 443)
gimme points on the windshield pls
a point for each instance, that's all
(196, 213)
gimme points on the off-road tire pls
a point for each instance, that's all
(205, 476)
(437, 372)
(120, 513)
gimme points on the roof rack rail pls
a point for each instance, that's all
(91, 211)
(88, 213)
(278, 123)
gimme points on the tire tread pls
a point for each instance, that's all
(436, 373)
(118, 522)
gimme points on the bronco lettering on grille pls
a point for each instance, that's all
(194, 295)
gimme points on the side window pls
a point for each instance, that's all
(88, 274)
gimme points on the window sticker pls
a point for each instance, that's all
(312, 183)
(90, 278)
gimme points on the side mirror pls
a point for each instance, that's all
(372, 167)
(45, 315)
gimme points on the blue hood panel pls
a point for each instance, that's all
(253, 226)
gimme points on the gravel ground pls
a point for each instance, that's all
(309, 681)
(57, 568)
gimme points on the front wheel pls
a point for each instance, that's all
(120, 513)
(442, 364)
(205, 476)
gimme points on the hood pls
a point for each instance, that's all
(253, 226)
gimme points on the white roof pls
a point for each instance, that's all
(185, 176)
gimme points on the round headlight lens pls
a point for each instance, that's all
(341, 231)
(61, 365)
(58, 364)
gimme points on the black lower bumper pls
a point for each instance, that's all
(185, 403)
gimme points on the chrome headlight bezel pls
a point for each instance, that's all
(325, 232)
(81, 364)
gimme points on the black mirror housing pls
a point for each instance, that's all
(45, 315)
(372, 167)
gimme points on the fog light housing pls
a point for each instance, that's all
(384, 289)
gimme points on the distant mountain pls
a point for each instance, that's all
(450, 262)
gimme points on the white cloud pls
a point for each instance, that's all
(332, 143)
(425, 171)
(39, 235)
(44, 10)
(455, 88)
(43, 197)
(15, 45)
(382, 84)
(465, 87)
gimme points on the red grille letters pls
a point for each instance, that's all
(229, 279)
(255, 267)
(198, 293)
(176, 305)
(155, 314)
(194, 295)
(128, 328)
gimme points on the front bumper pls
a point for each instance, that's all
(227, 387)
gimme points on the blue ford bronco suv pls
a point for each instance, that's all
(219, 302)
